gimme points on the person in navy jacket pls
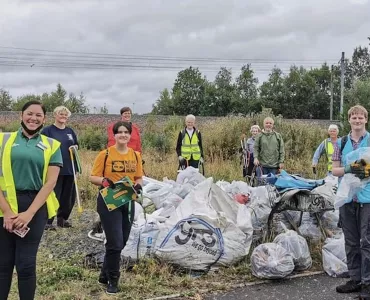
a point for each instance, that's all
(65, 187)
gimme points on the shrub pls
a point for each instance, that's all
(93, 138)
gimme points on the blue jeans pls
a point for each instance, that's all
(117, 227)
(266, 171)
(21, 252)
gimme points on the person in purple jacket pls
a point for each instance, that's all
(65, 187)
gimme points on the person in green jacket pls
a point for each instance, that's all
(269, 148)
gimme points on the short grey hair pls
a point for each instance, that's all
(190, 117)
(333, 126)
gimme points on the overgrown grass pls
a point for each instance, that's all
(68, 279)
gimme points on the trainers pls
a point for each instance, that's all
(349, 287)
(63, 223)
(103, 279)
(50, 227)
(112, 288)
(365, 292)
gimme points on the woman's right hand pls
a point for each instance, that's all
(256, 162)
(9, 220)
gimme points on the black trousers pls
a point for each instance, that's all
(117, 226)
(21, 252)
(355, 220)
(66, 193)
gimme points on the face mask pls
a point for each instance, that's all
(29, 131)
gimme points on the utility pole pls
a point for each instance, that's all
(341, 84)
(331, 93)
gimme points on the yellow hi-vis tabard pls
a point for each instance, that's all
(6, 174)
(329, 149)
(190, 146)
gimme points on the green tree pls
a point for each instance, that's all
(77, 104)
(18, 104)
(273, 93)
(104, 109)
(164, 104)
(246, 85)
(6, 101)
(56, 98)
(188, 91)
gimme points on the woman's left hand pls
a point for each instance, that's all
(22, 219)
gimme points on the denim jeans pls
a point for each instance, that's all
(21, 252)
(117, 226)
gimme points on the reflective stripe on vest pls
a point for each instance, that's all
(190, 146)
(329, 149)
(6, 178)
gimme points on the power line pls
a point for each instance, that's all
(182, 58)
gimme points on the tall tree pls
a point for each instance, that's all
(188, 91)
(6, 101)
(246, 84)
(18, 104)
(164, 105)
(77, 104)
(273, 93)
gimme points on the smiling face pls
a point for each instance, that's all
(61, 117)
(122, 136)
(357, 122)
(333, 133)
(268, 124)
(33, 117)
(254, 131)
(126, 116)
(190, 123)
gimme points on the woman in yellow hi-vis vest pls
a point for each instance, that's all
(189, 145)
(327, 147)
(29, 168)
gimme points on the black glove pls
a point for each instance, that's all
(138, 188)
(359, 168)
(106, 182)
(314, 170)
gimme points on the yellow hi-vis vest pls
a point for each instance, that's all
(6, 174)
(189, 146)
(329, 149)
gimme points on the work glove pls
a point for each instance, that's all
(359, 168)
(314, 170)
(106, 182)
(201, 160)
(138, 188)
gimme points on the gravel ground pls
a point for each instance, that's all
(64, 243)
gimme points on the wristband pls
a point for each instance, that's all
(347, 169)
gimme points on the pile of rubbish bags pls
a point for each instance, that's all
(198, 224)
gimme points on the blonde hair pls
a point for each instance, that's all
(255, 127)
(62, 108)
(357, 110)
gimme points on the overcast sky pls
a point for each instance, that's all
(262, 32)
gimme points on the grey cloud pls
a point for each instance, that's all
(269, 29)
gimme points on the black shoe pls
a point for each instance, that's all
(365, 292)
(103, 278)
(349, 287)
(112, 287)
(50, 227)
(63, 223)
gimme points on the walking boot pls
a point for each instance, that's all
(349, 287)
(365, 292)
(103, 279)
(112, 287)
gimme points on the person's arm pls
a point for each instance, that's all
(178, 144)
(337, 169)
(256, 150)
(7, 212)
(318, 153)
(281, 151)
(96, 176)
(22, 219)
(111, 140)
(138, 140)
(139, 170)
(75, 138)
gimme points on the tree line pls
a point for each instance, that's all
(301, 93)
(76, 104)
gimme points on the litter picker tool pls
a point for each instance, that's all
(74, 157)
